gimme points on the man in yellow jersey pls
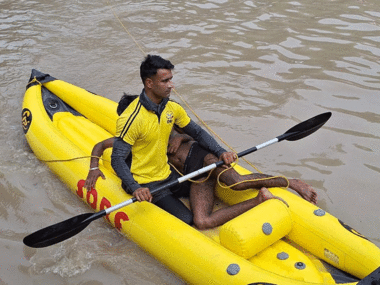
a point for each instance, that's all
(143, 131)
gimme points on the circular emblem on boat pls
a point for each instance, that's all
(300, 265)
(267, 228)
(319, 212)
(26, 119)
(233, 269)
(282, 256)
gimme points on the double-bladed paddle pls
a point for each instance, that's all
(68, 228)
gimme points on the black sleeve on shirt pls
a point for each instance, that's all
(203, 138)
(120, 152)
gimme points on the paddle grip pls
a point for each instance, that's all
(245, 152)
(253, 149)
(286, 136)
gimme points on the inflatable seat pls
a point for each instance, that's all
(256, 229)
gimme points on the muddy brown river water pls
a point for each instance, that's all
(249, 69)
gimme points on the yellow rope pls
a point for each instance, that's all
(233, 185)
(121, 23)
(182, 99)
(194, 181)
(75, 158)
(34, 80)
(249, 180)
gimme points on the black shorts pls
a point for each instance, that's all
(168, 199)
(194, 161)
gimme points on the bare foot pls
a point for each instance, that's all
(304, 190)
(264, 195)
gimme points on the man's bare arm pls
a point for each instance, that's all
(94, 172)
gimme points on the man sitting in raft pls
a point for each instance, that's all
(186, 155)
(143, 130)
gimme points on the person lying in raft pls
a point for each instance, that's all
(187, 155)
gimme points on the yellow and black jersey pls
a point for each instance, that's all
(147, 127)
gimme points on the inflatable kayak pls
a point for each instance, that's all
(269, 244)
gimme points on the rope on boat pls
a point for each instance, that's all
(75, 158)
(34, 80)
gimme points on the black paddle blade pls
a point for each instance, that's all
(58, 232)
(305, 128)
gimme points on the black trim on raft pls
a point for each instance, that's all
(54, 105)
(38, 77)
(338, 275)
(371, 279)
(351, 230)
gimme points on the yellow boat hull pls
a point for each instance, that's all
(270, 244)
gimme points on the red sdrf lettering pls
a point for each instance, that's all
(92, 200)
(120, 216)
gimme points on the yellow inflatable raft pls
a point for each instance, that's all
(270, 244)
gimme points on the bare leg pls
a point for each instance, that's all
(304, 190)
(231, 177)
(202, 203)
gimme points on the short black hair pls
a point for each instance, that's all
(151, 64)
(124, 102)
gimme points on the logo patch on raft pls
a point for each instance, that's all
(331, 256)
(26, 119)
(92, 200)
